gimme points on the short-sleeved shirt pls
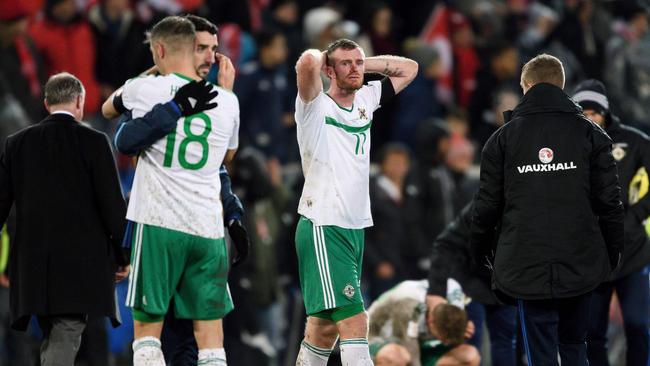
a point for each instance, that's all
(177, 181)
(334, 147)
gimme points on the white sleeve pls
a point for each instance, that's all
(234, 138)
(130, 92)
(373, 91)
(306, 113)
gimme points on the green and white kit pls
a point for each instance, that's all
(334, 147)
(178, 247)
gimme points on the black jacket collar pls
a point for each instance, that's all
(543, 98)
(59, 117)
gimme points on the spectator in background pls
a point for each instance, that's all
(387, 239)
(440, 191)
(121, 53)
(256, 286)
(632, 152)
(628, 69)
(500, 71)
(379, 38)
(263, 83)
(418, 102)
(284, 15)
(458, 162)
(21, 70)
(432, 146)
(540, 24)
(319, 27)
(66, 41)
(466, 61)
(70, 229)
(576, 32)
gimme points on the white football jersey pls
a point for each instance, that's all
(334, 147)
(177, 183)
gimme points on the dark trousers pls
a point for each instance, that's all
(61, 339)
(634, 298)
(552, 326)
(501, 323)
(178, 343)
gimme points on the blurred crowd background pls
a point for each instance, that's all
(425, 143)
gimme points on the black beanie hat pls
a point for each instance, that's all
(591, 94)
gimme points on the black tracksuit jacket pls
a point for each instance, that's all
(631, 150)
(548, 178)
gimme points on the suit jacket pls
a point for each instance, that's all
(70, 218)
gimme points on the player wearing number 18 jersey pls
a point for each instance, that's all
(178, 249)
(177, 182)
(175, 197)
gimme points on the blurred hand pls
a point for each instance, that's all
(122, 273)
(470, 329)
(385, 271)
(226, 77)
(4, 280)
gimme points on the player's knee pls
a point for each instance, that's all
(468, 355)
(354, 327)
(393, 354)
(320, 332)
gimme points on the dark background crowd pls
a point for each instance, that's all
(426, 141)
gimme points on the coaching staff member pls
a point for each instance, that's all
(631, 150)
(548, 180)
(70, 217)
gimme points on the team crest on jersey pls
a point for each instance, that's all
(348, 290)
(619, 151)
(362, 113)
(545, 155)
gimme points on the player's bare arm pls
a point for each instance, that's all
(230, 154)
(308, 69)
(108, 108)
(400, 70)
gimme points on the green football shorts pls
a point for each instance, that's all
(170, 264)
(329, 261)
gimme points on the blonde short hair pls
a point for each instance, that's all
(543, 68)
(175, 32)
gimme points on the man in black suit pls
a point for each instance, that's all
(70, 217)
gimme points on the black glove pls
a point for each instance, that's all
(240, 240)
(195, 97)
